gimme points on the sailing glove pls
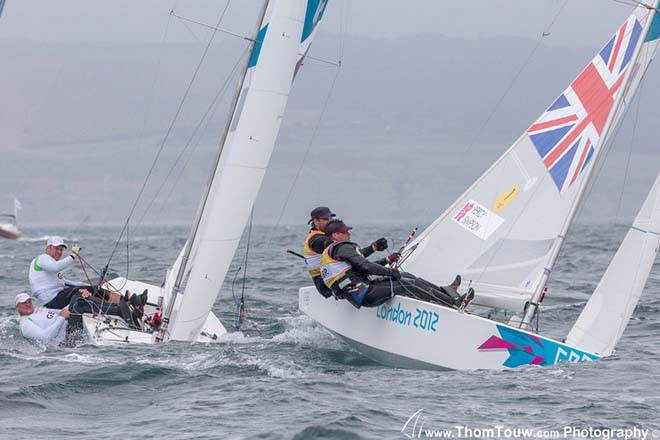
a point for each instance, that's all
(75, 250)
(380, 244)
(392, 258)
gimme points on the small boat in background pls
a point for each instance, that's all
(8, 224)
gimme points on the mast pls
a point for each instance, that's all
(193, 233)
(533, 304)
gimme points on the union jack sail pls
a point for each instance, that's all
(569, 132)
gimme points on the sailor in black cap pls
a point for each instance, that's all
(349, 275)
(316, 242)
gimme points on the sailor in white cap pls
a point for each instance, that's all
(41, 323)
(48, 285)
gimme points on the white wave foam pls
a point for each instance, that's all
(34, 239)
(302, 330)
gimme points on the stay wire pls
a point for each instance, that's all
(479, 132)
(208, 113)
(306, 154)
(629, 153)
(324, 107)
(169, 130)
(514, 79)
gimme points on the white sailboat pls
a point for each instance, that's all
(505, 232)
(285, 32)
(9, 222)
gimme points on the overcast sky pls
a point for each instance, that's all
(70, 115)
(581, 22)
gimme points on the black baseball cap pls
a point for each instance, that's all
(336, 225)
(320, 212)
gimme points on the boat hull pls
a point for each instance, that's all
(102, 330)
(9, 232)
(407, 333)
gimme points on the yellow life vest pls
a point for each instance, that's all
(334, 270)
(312, 259)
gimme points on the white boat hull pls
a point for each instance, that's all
(407, 333)
(112, 329)
(9, 231)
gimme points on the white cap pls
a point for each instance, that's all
(22, 297)
(55, 241)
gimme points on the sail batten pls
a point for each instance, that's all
(518, 211)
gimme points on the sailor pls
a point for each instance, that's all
(41, 323)
(364, 283)
(47, 283)
(50, 325)
(52, 290)
(316, 242)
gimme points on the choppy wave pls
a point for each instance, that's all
(295, 379)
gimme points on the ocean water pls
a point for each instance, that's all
(284, 377)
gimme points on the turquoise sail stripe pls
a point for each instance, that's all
(313, 14)
(257, 47)
(654, 32)
(2, 5)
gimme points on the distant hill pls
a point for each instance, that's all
(408, 120)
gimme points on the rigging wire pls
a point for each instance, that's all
(167, 134)
(308, 148)
(210, 111)
(494, 110)
(241, 312)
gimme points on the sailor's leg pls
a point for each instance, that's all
(425, 291)
(62, 299)
(382, 290)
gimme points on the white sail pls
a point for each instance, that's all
(602, 321)
(245, 156)
(502, 233)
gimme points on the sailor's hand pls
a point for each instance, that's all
(380, 244)
(75, 250)
(85, 293)
(64, 313)
(395, 274)
(393, 258)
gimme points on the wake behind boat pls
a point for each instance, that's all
(505, 232)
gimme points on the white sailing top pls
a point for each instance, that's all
(46, 279)
(44, 325)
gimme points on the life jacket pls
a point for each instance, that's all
(312, 259)
(336, 275)
(335, 272)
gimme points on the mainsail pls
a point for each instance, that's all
(284, 36)
(504, 232)
(602, 321)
